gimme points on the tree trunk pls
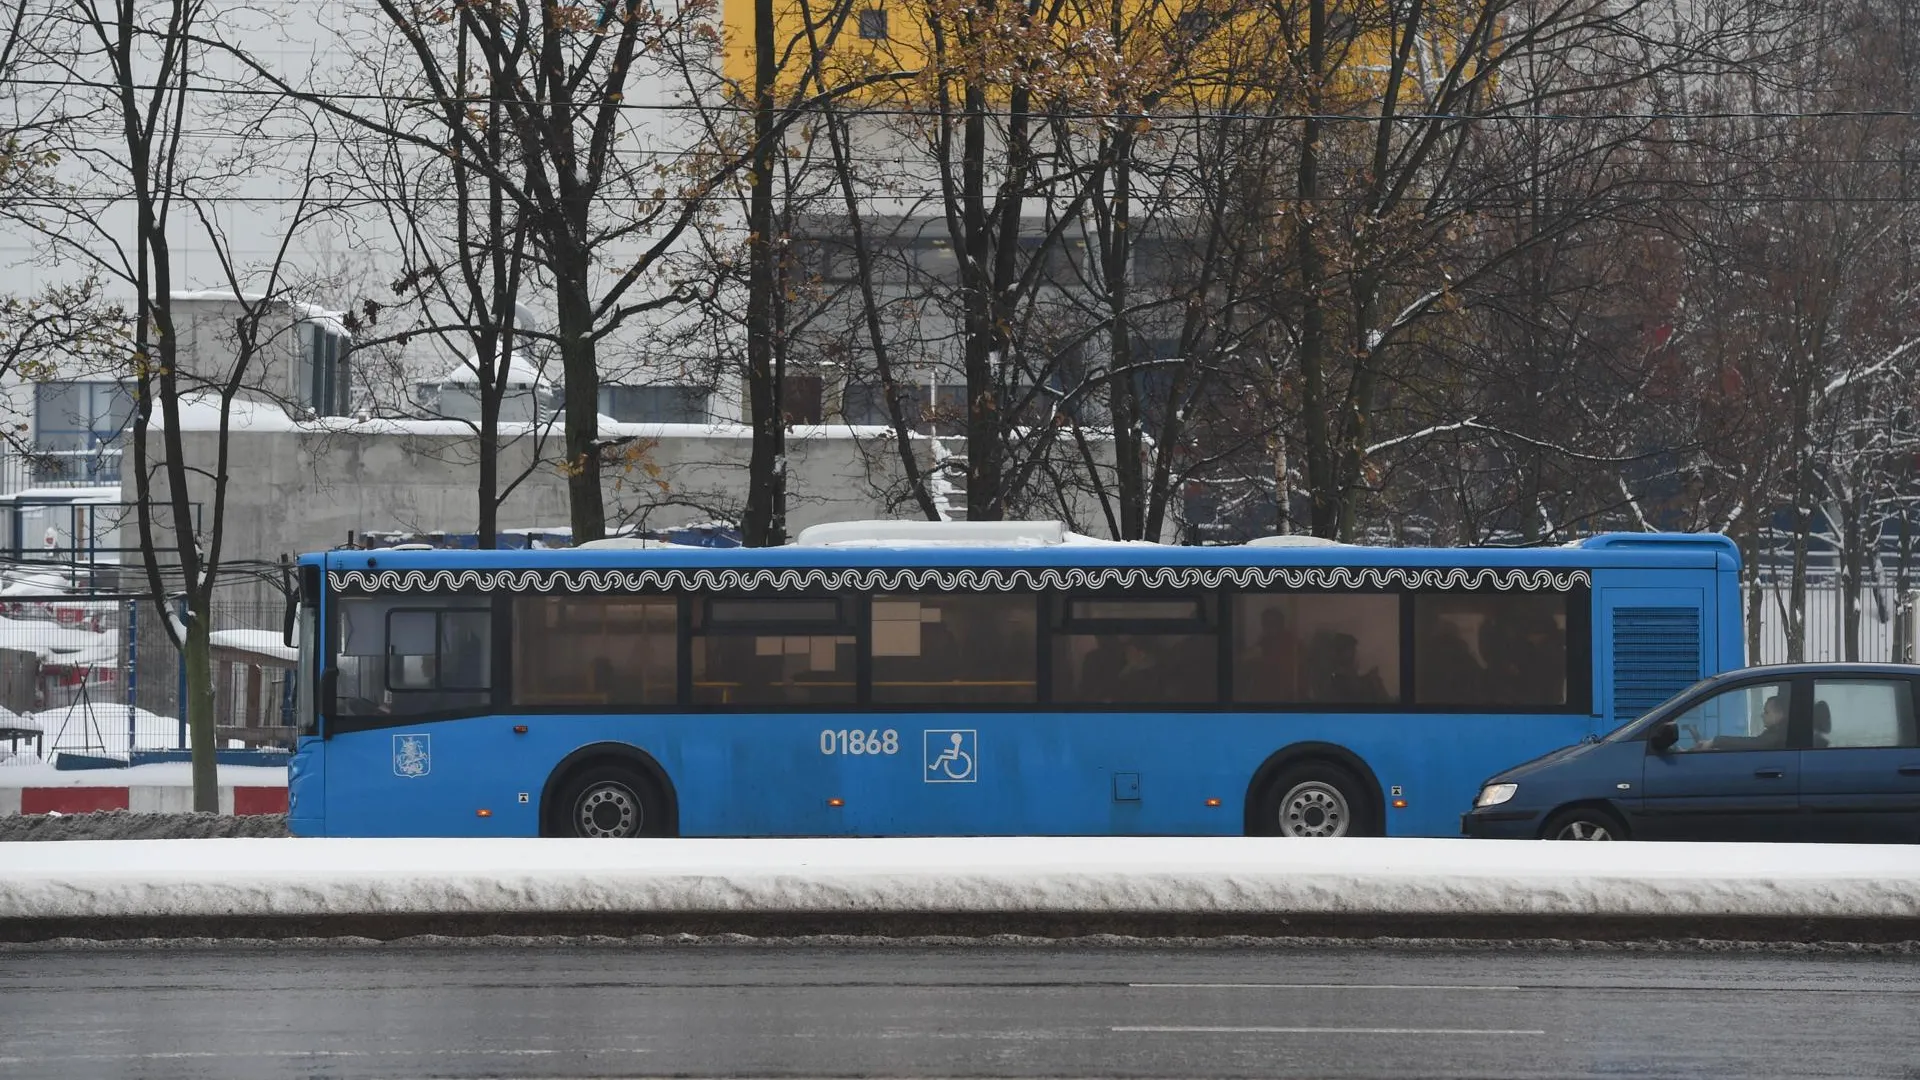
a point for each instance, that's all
(198, 654)
(489, 523)
(764, 523)
(984, 342)
(578, 364)
(1324, 515)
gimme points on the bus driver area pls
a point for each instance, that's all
(1006, 678)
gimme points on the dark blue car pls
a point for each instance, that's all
(1795, 752)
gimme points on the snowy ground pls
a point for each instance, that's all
(980, 876)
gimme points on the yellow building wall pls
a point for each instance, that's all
(1078, 56)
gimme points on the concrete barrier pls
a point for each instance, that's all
(1051, 887)
(149, 789)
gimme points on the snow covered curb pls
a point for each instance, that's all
(165, 788)
(987, 877)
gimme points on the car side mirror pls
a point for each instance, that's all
(1663, 736)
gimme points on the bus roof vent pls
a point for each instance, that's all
(1293, 542)
(954, 533)
(623, 543)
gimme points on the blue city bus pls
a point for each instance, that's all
(976, 688)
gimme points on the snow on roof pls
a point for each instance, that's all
(1294, 542)
(969, 533)
(93, 493)
(201, 412)
(56, 644)
(520, 372)
(624, 543)
(266, 643)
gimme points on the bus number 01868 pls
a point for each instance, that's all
(860, 742)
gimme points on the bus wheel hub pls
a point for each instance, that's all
(609, 810)
(1313, 809)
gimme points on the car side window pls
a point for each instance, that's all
(1862, 713)
(1747, 718)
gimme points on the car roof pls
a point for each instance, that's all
(1822, 668)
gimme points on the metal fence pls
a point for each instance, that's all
(1885, 624)
(99, 675)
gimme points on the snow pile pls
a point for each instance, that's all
(1074, 875)
(100, 727)
(122, 825)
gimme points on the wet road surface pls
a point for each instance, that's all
(952, 1012)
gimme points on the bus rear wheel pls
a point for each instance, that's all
(610, 802)
(1314, 800)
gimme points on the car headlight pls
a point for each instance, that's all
(1495, 794)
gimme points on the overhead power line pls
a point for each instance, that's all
(1507, 115)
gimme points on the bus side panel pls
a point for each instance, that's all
(307, 787)
(1010, 773)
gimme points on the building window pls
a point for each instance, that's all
(324, 383)
(873, 24)
(931, 410)
(654, 404)
(76, 425)
(802, 399)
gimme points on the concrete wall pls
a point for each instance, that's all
(306, 490)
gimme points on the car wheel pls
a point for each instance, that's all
(1584, 823)
(1314, 800)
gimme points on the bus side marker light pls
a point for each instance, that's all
(1399, 804)
(1213, 802)
(519, 729)
(836, 803)
(483, 812)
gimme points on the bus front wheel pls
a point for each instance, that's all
(1314, 799)
(611, 802)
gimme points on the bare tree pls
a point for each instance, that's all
(603, 193)
(141, 185)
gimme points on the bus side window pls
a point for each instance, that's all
(1491, 649)
(775, 650)
(954, 649)
(1332, 648)
(595, 651)
(1127, 651)
(413, 656)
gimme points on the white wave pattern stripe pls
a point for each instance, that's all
(955, 579)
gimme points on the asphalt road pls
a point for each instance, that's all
(974, 1012)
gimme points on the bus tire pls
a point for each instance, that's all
(611, 802)
(1314, 799)
(1584, 823)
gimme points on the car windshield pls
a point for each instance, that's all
(1626, 731)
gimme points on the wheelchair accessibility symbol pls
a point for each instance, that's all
(950, 757)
